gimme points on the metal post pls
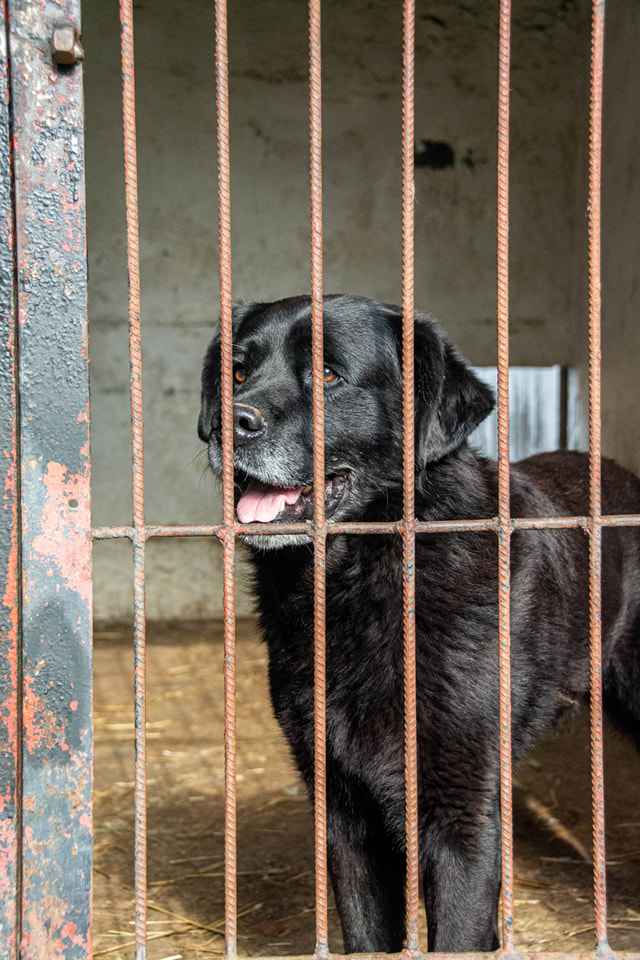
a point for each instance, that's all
(9, 493)
(52, 347)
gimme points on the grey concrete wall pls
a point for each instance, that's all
(621, 251)
(455, 214)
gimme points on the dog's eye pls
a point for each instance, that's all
(239, 374)
(329, 375)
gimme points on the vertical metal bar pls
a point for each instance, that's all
(504, 510)
(595, 491)
(9, 797)
(317, 364)
(55, 488)
(408, 534)
(137, 430)
(226, 360)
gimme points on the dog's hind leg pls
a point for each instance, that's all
(367, 870)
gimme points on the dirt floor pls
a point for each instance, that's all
(185, 794)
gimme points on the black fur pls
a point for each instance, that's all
(456, 608)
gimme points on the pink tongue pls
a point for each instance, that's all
(265, 505)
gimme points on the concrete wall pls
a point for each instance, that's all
(621, 251)
(455, 214)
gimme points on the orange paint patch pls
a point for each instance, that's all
(8, 852)
(41, 727)
(65, 541)
(9, 708)
(70, 932)
(47, 932)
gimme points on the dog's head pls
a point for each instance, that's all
(273, 451)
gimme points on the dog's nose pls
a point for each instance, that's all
(248, 423)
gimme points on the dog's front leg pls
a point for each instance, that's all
(462, 881)
(367, 872)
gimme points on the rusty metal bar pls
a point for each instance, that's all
(319, 526)
(490, 524)
(578, 955)
(595, 480)
(504, 509)
(116, 533)
(137, 431)
(55, 549)
(9, 574)
(408, 455)
(227, 533)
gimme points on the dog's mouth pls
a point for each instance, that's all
(260, 502)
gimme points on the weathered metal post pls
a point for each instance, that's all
(48, 843)
(8, 528)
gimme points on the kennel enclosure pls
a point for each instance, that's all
(46, 827)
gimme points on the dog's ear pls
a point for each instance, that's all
(450, 399)
(210, 391)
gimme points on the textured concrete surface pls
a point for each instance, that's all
(455, 214)
(621, 418)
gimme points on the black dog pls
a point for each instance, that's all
(456, 607)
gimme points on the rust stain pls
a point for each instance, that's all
(38, 941)
(55, 548)
(7, 874)
(64, 522)
(41, 727)
(6, 844)
(52, 924)
(80, 790)
(85, 417)
(8, 708)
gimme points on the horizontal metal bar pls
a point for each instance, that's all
(621, 520)
(567, 523)
(115, 533)
(497, 955)
(483, 525)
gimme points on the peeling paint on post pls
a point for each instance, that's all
(8, 530)
(56, 833)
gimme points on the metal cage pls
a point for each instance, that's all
(45, 551)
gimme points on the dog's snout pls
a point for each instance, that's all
(248, 423)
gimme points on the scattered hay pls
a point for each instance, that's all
(185, 702)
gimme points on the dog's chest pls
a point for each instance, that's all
(363, 683)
